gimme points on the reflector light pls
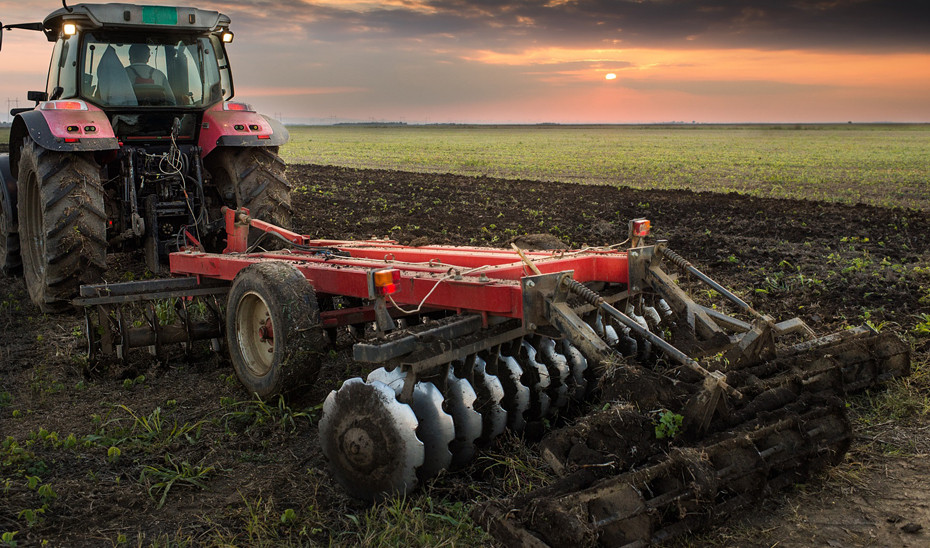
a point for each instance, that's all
(264, 136)
(386, 281)
(241, 107)
(72, 140)
(70, 29)
(640, 227)
(64, 105)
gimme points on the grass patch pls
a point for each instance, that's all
(878, 164)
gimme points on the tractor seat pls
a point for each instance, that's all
(150, 94)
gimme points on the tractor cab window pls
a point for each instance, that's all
(176, 71)
(62, 73)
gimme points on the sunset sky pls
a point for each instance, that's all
(531, 61)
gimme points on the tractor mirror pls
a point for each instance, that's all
(37, 96)
(1, 35)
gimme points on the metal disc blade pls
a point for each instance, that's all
(460, 399)
(393, 378)
(436, 429)
(610, 335)
(370, 440)
(558, 371)
(579, 367)
(539, 385)
(516, 394)
(490, 392)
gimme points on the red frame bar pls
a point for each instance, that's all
(471, 279)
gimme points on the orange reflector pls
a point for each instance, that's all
(640, 227)
(386, 281)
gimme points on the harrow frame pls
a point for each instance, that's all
(495, 336)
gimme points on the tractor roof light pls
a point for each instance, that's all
(64, 105)
(70, 29)
(239, 107)
(385, 282)
(228, 37)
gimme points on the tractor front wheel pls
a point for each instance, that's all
(273, 329)
(62, 224)
(255, 177)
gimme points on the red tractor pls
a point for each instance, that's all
(134, 143)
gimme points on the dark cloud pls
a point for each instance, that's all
(858, 25)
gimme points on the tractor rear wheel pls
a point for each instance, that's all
(62, 224)
(273, 329)
(255, 176)
(11, 264)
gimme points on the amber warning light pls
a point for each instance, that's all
(385, 281)
(639, 228)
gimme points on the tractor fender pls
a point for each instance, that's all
(7, 190)
(48, 127)
(239, 128)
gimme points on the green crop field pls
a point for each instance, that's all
(885, 165)
(877, 164)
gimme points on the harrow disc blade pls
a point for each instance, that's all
(370, 440)
(460, 397)
(436, 429)
(394, 378)
(536, 376)
(579, 367)
(516, 394)
(558, 371)
(489, 393)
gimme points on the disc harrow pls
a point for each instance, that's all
(463, 343)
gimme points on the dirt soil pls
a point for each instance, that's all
(832, 265)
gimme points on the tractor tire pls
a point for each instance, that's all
(62, 224)
(273, 329)
(11, 263)
(255, 176)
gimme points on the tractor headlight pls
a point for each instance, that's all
(227, 37)
(69, 29)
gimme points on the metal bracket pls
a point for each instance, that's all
(538, 292)
(638, 261)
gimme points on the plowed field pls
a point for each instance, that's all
(176, 453)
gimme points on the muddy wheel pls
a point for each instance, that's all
(11, 263)
(273, 329)
(254, 176)
(62, 224)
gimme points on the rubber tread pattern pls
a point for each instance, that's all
(73, 224)
(257, 175)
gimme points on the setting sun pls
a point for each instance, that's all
(610, 76)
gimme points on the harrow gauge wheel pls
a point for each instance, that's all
(273, 329)
(255, 333)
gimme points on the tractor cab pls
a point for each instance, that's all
(134, 144)
(144, 66)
